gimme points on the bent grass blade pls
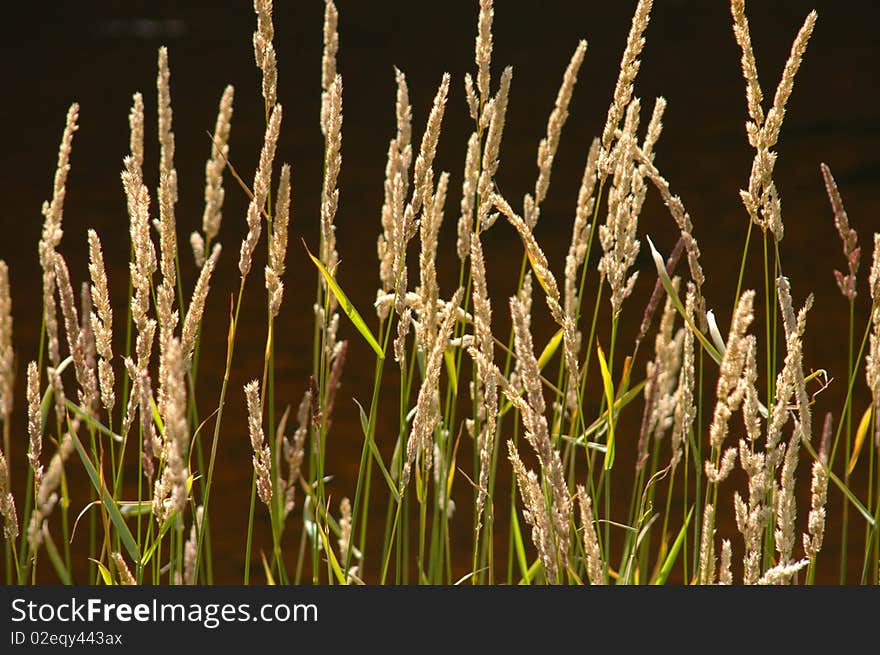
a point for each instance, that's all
(347, 307)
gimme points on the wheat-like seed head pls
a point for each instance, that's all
(197, 305)
(623, 90)
(483, 48)
(214, 193)
(535, 514)
(549, 144)
(262, 458)
(7, 355)
(260, 191)
(170, 493)
(7, 502)
(468, 196)
(706, 569)
(264, 51)
(35, 428)
(427, 415)
(122, 570)
(592, 552)
(729, 390)
(278, 243)
(136, 129)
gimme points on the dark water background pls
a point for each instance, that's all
(99, 53)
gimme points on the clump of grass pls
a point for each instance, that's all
(466, 390)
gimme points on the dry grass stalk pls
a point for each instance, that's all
(278, 243)
(762, 199)
(423, 171)
(730, 389)
(782, 573)
(35, 428)
(196, 309)
(136, 132)
(7, 502)
(495, 115)
(144, 263)
(47, 493)
(122, 570)
(685, 410)
(754, 95)
(550, 143)
(57, 394)
(293, 451)
(170, 493)
(793, 367)
(537, 431)
(264, 51)
(535, 513)
(706, 569)
(428, 289)
(214, 192)
(395, 185)
(140, 399)
(167, 197)
(86, 329)
(592, 552)
(51, 236)
(725, 575)
(262, 458)
(872, 359)
(662, 375)
(334, 381)
(167, 173)
(403, 325)
(682, 219)
(468, 195)
(812, 539)
(328, 60)
(85, 375)
(623, 90)
(483, 49)
(486, 385)
(190, 549)
(102, 321)
(752, 517)
(848, 237)
(620, 245)
(717, 473)
(333, 159)
(427, 413)
(344, 540)
(7, 355)
(262, 178)
(577, 250)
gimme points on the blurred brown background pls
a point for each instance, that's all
(99, 53)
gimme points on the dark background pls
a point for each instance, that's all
(99, 53)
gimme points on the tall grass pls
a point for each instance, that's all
(531, 441)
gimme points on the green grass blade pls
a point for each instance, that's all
(861, 432)
(609, 399)
(550, 349)
(670, 291)
(520, 549)
(331, 556)
(377, 455)
(347, 307)
(669, 562)
(449, 358)
(109, 502)
(105, 573)
(152, 549)
(55, 558)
